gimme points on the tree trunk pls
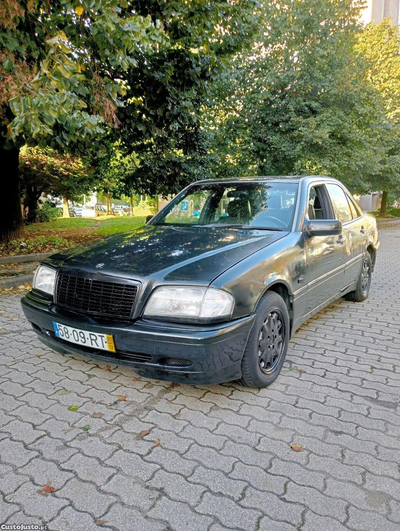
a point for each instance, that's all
(108, 203)
(383, 211)
(31, 199)
(131, 205)
(10, 212)
(66, 213)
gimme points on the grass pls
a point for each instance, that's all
(62, 224)
(390, 213)
(61, 234)
(113, 225)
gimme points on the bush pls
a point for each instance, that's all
(47, 212)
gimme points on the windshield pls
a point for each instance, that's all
(243, 205)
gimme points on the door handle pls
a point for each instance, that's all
(340, 240)
(362, 230)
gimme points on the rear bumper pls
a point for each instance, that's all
(165, 351)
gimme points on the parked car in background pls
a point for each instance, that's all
(121, 210)
(100, 209)
(213, 287)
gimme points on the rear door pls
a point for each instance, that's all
(351, 230)
(325, 255)
(357, 234)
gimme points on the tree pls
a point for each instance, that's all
(379, 45)
(161, 117)
(44, 171)
(61, 66)
(111, 170)
(299, 102)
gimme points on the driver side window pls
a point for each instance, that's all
(317, 204)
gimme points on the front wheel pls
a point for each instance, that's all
(268, 342)
(364, 281)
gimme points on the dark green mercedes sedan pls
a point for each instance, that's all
(215, 284)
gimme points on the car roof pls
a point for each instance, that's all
(265, 178)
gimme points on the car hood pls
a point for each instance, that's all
(167, 253)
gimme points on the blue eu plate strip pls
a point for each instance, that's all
(55, 325)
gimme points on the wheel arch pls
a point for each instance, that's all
(283, 289)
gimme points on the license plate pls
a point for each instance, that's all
(85, 338)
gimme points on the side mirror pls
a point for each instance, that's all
(148, 218)
(324, 227)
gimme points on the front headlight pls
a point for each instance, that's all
(44, 279)
(180, 303)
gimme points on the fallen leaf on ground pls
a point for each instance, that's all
(122, 398)
(156, 443)
(176, 415)
(296, 447)
(101, 522)
(97, 415)
(136, 379)
(68, 430)
(73, 408)
(47, 489)
(143, 433)
(107, 368)
(39, 355)
(63, 391)
(86, 427)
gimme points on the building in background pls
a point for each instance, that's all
(377, 10)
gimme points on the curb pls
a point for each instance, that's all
(22, 258)
(12, 282)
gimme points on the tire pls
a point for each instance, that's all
(363, 287)
(263, 345)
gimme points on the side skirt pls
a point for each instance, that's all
(304, 318)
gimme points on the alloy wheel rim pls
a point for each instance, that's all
(271, 342)
(365, 276)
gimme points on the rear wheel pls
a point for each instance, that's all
(364, 281)
(268, 341)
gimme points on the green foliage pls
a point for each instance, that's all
(44, 171)
(161, 120)
(379, 47)
(300, 103)
(47, 212)
(62, 66)
(391, 213)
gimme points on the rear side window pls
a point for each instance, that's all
(340, 204)
(354, 210)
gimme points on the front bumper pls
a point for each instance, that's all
(164, 351)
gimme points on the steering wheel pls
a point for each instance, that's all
(279, 223)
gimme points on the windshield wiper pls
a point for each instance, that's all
(251, 227)
(238, 226)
